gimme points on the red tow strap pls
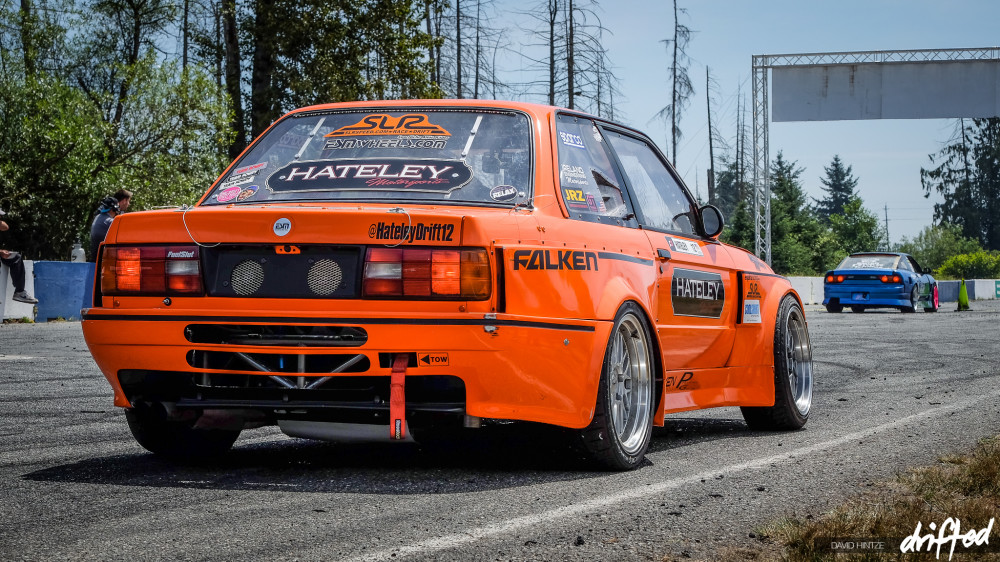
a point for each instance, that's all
(397, 397)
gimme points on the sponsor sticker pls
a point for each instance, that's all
(753, 288)
(381, 124)
(573, 175)
(391, 174)
(412, 232)
(239, 179)
(180, 254)
(697, 293)
(575, 198)
(503, 193)
(282, 226)
(751, 312)
(247, 193)
(251, 168)
(400, 143)
(569, 139)
(227, 194)
(684, 246)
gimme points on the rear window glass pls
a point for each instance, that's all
(458, 156)
(869, 262)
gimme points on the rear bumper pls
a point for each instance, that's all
(530, 369)
(867, 295)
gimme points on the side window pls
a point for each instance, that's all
(588, 180)
(660, 200)
(909, 263)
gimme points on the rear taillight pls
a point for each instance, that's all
(429, 273)
(891, 279)
(834, 278)
(151, 270)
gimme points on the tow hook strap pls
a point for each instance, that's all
(397, 397)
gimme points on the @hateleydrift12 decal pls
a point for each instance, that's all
(697, 293)
(391, 174)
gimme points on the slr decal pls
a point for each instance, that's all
(382, 124)
(697, 293)
(555, 259)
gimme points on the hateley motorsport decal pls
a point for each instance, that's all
(436, 176)
(697, 293)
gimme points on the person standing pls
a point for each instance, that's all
(109, 208)
(15, 262)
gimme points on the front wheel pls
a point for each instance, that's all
(176, 439)
(618, 435)
(793, 374)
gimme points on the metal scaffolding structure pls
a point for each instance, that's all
(762, 64)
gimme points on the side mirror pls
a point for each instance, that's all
(711, 220)
(927, 271)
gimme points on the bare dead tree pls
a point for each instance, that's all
(681, 88)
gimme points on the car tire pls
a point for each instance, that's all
(174, 439)
(619, 433)
(793, 374)
(914, 299)
(857, 309)
(935, 303)
(834, 308)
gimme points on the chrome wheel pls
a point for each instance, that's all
(798, 361)
(630, 384)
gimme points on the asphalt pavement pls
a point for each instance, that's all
(892, 390)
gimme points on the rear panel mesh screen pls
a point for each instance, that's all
(263, 272)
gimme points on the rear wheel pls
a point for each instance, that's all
(793, 373)
(178, 439)
(618, 435)
(857, 309)
(914, 297)
(935, 300)
(835, 308)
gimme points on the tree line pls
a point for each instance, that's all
(156, 96)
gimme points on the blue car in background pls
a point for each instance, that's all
(880, 280)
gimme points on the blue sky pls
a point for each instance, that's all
(886, 155)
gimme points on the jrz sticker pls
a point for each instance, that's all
(575, 199)
(503, 193)
(697, 293)
(412, 124)
(393, 174)
(227, 194)
(684, 246)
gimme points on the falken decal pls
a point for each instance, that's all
(393, 174)
(684, 246)
(697, 293)
(413, 124)
(555, 259)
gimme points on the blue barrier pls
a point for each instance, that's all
(62, 289)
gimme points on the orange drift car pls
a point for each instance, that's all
(372, 269)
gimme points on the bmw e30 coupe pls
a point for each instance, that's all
(380, 268)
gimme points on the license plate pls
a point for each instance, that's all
(860, 296)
